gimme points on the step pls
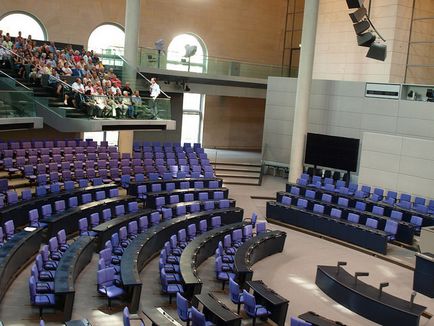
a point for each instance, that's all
(236, 176)
(252, 170)
(79, 115)
(240, 181)
(236, 164)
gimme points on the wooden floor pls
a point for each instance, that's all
(291, 274)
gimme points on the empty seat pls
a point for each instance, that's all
(360, 206)
(377, 210)
(310, 194)
(302, 203)
(317, 208)
(353, 217)
(391, 228)
(343, 201)
(416, 221)
(372, 223)
(396, 215)
(326, 198)
(336, 213)
(295, 191)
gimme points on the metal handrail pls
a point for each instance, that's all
(141, 75)
(22, 85)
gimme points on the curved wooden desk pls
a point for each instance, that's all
(197, 251)
(19, 212)
(232, 203)
(360, 235)
(255, 249)
(276, 304)
(15, 254)
(105, 230)
(148, 244)
(132, 189)
(405, 232)
(151, 196)
(68, 220)
(365, 299)
(78, 255)
(407, 213)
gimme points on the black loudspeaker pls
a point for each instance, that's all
(358, 14)
(354, 4)
(366, 39)
(377, 51)
(361, 27)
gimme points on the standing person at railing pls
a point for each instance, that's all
(154, 91)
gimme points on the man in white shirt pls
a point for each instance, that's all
(154, 88)
(154, 92)
(77, 89)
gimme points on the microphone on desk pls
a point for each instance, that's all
(382, 285)
(413, 295)
(340, 263)
(358, 274)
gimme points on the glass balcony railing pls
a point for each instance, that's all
(151, 58)
(15, 100)
(147, 108)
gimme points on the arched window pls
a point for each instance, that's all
(193, 106)
(176, 59)
(27, 24)
(107, 39)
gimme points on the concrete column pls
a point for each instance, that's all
(304, 84)
(132, 24)
(125, 144)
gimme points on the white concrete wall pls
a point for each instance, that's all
(337, 55)
(339, 108)
(398, 163)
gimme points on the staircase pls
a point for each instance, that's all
(239, 173)
(68, 119)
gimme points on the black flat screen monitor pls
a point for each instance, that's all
(332, 152)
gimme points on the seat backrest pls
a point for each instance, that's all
(353, 217)
(335, 213)
(404, 197)
(295, 191)
(182, 307)
(261, 227)
(360, 206)
(234, 291)
(310, 194)
(378, 210)
(416, 220)
(317, 208)
(373, 223)
(197, 318)
(391, 227)
(396, 215)
(249, 303)
(343, 201)
(326, 198)
(419, 201)
(302, 203)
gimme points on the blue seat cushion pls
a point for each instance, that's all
(174, 288)
(111, 291)
(45, 299)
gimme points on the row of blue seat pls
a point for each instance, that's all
(415, 220)
(377, 194)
